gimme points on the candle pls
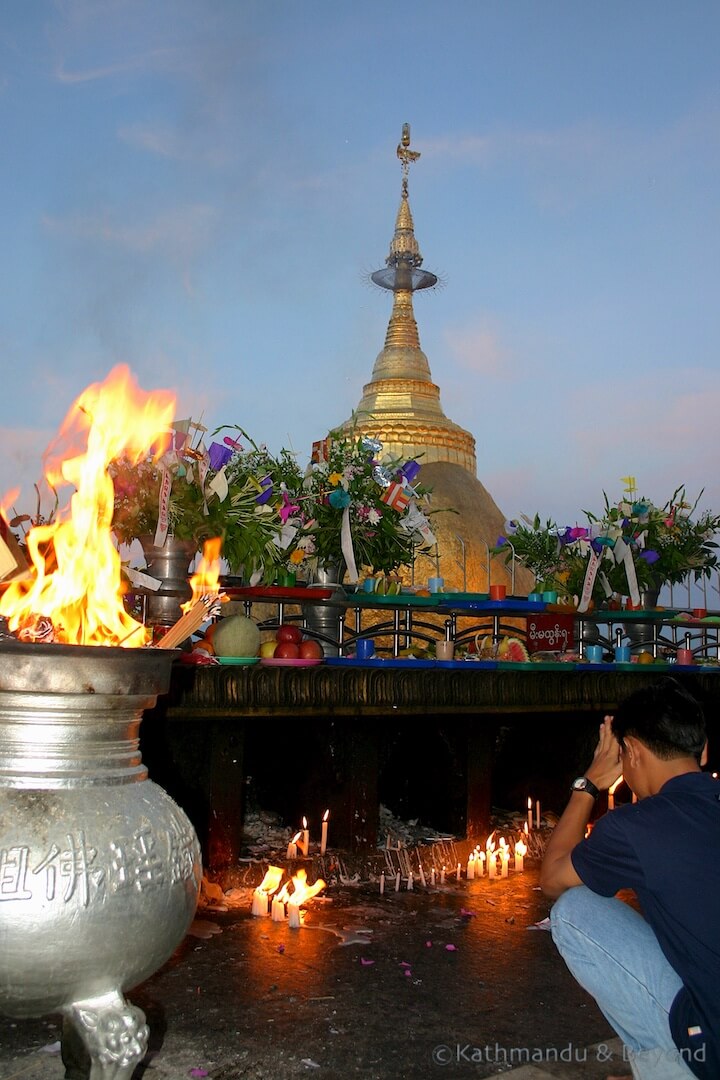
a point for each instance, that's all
(292, 847)
(442, 876)
(382, 884)
(470, 872)
(520, 851)
(277, 910)
(480, 863)
(529, 816)
(611, 792)
(432, 876)
(260, 902)
(293, 915)
(458, 871)
(324, 832)
(537, 814)
(411, 884)
(422, 874)
(491, 863)
(397, 882)
(304, 844)
(504, 862)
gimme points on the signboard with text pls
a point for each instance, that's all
(548, 632)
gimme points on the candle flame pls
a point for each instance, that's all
(272, 880)
(520, 848)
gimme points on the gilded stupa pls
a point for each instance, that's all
(401, 407)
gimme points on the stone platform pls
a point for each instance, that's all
(445, 982)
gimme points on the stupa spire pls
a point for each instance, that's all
(401, 404)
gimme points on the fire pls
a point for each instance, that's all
(206, 579)
(76, 585)
(302, 892)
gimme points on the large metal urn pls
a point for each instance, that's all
(99, 868)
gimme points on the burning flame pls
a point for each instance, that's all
(272, 879)
(206, 579)
(77, 584)
(302, 892)
(520, 848)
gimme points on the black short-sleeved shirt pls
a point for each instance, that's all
(667, 848)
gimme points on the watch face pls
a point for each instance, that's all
(580, 784)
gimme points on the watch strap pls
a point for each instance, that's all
(583, 784)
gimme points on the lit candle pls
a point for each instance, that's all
(293, 915)
(504, 862)
(480, 859)
(537, 814)
(382, 884)
(459, 870)
(277, 910)
(529, 816)
(304, 844)
(611, 792)
(422, 874)
(324, 832)
(397, 882)
(442, 876)
(432, 876)
(411, 884)
(520, 852)
(470, 872)
(491, 863)
(260, 902)
(292, 847)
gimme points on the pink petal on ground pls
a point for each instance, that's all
(409, 974)
(281, 948)
(467, 914)
(404, 963)
(199, 1072)
(428, 944)
(451, 948)
(366, 963)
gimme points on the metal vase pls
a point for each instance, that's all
(323, 618)
(642, 635)
(170, 564)
(99, 869)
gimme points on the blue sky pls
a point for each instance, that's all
(200, 189)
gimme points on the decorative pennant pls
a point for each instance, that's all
(589, 582)
(346, 546)
(631, 577)
(320, 451)
(219, 485)
(161, 530)
(396, 497)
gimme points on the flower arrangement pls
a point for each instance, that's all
(358, 505)
(193, 493)
(636, 546)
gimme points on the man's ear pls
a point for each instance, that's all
(704, 755)
(633, 749)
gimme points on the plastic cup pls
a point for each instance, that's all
(435, 584)
(684, 657)
(622, 654)
(364, 648)
(594, 654)
(535, 597)
(498, 592)
(550, 597)
(444, 650)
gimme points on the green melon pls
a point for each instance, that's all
(236, 636)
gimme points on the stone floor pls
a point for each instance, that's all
(447, 982)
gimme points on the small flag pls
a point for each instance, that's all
(320, 451)
(395, 497)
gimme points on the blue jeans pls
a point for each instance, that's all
(615, 956)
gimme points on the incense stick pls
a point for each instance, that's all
(187, 624)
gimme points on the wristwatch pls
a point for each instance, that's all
(583, 784)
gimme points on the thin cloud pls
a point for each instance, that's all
(479, 348)
(152, 60)
(183, 230)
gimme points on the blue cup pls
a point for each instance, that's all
(622, 654)
(369, 584)
(550, 597)
(364, 648)
(535, 597)
(594, 654)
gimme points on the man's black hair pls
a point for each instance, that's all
(666, 718)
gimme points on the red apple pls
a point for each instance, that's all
(287, 632)
(287, 650)
(311, 650)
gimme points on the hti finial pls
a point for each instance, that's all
(406, 155)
